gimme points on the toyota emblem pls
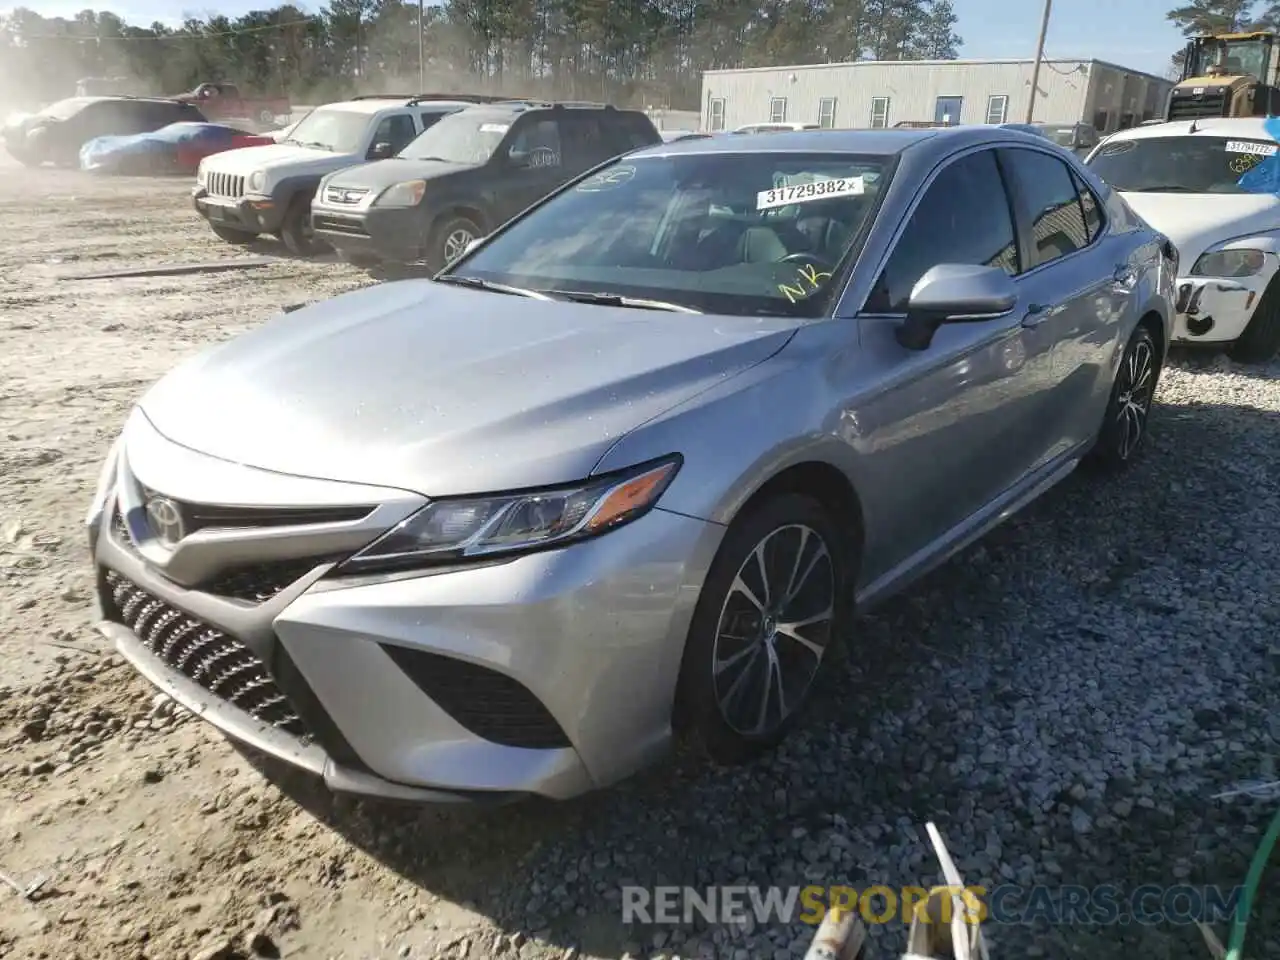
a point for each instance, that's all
(165, 519)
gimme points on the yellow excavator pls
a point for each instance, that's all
(1227, 75)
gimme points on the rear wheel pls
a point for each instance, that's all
(1261, 338)
(1124, 429)
(768, 612)
(232, 235)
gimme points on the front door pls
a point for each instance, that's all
(534, 166)
(941, 430)
(1076, 289)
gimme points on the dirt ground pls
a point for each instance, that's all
(158, 839)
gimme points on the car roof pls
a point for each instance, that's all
(872, 142)
(373, 105)
(1250, 127)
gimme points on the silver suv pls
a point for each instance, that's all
(630, 464)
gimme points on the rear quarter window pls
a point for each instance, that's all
(638, 130)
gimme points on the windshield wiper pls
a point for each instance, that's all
(614, 300)
(308, 143)
(492, 287)
(427, 159)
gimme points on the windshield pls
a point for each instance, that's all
(468, 137)
(1232, 57)
(65, 109)
(1195, 164)
(340, 131)
(745, 234)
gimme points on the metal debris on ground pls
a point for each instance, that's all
(29, 891)
(180, 269)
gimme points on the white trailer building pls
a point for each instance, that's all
(874, 93)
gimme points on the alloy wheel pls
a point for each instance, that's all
(1135, 386)
(455, 244)
(774, 628)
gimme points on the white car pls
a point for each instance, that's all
(1213, 188)
(268, 189)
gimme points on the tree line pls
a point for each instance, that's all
(638, 52)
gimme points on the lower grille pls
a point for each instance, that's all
(220, 664)
(353, 228)
(225, 185)
(1192, 108)
(489, 704)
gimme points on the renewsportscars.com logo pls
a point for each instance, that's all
(1004, 904)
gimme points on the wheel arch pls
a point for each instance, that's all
(823, 481)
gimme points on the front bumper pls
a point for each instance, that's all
(550, 674)
(251, 214)
(1214, 310)
(392, 234)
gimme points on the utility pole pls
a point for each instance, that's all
(422, 57)
(1035, 71)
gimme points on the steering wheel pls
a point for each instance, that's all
(805, 257)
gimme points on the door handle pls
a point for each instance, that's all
(1037, 313)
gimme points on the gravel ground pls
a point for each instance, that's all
(1063, 700)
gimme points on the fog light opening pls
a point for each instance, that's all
(1199, 326)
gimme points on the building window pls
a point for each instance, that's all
(778, 110)
(1126, 121)
(715, 114)
(1101, 119)
(997, 109)
(827, 113)
(879, 113)
(947, 110)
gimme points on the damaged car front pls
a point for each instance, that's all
(1213, 188)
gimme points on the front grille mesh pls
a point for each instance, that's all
(225, 185)
(1192, 108)
(219, 663)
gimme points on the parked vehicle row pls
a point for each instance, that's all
(57, 133)
(625, 468)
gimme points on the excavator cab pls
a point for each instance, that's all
(1229, 75)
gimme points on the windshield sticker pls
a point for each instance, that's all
(807, 192)
(807, 281)
(494, 127)
(1245, 162)
(1253, 149)
(607, 179)
(1263, 175)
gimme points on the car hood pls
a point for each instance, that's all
(383, 173)
(274, 156)
(1196, 221)
(443, 390)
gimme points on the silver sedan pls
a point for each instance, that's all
(629, 466)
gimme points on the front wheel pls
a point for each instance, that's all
(1124, 428)
(450, 240)
(770, 608)
(1261, 338)
(296, 232)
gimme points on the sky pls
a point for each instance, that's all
(994, 29)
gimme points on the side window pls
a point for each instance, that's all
(633, 130)
(1089, 204)
(585, 143)
(537, 144)
(397, 130)
(1057, 219)
(429, 118)
(963, 217)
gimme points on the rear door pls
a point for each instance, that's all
(1076, 291)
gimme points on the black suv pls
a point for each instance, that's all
(56, 133)
(467, 175)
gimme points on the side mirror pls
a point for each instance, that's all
(382, 150)
(954, 293)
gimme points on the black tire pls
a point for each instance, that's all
(1124, 427)
(442, 247)
(1261, 338)
(296, 230)
(712, 706)
(232, 235)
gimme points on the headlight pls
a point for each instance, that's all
(201, 174)
(459, 529)
(1230, 263)
(406, 194)
(257, 180)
